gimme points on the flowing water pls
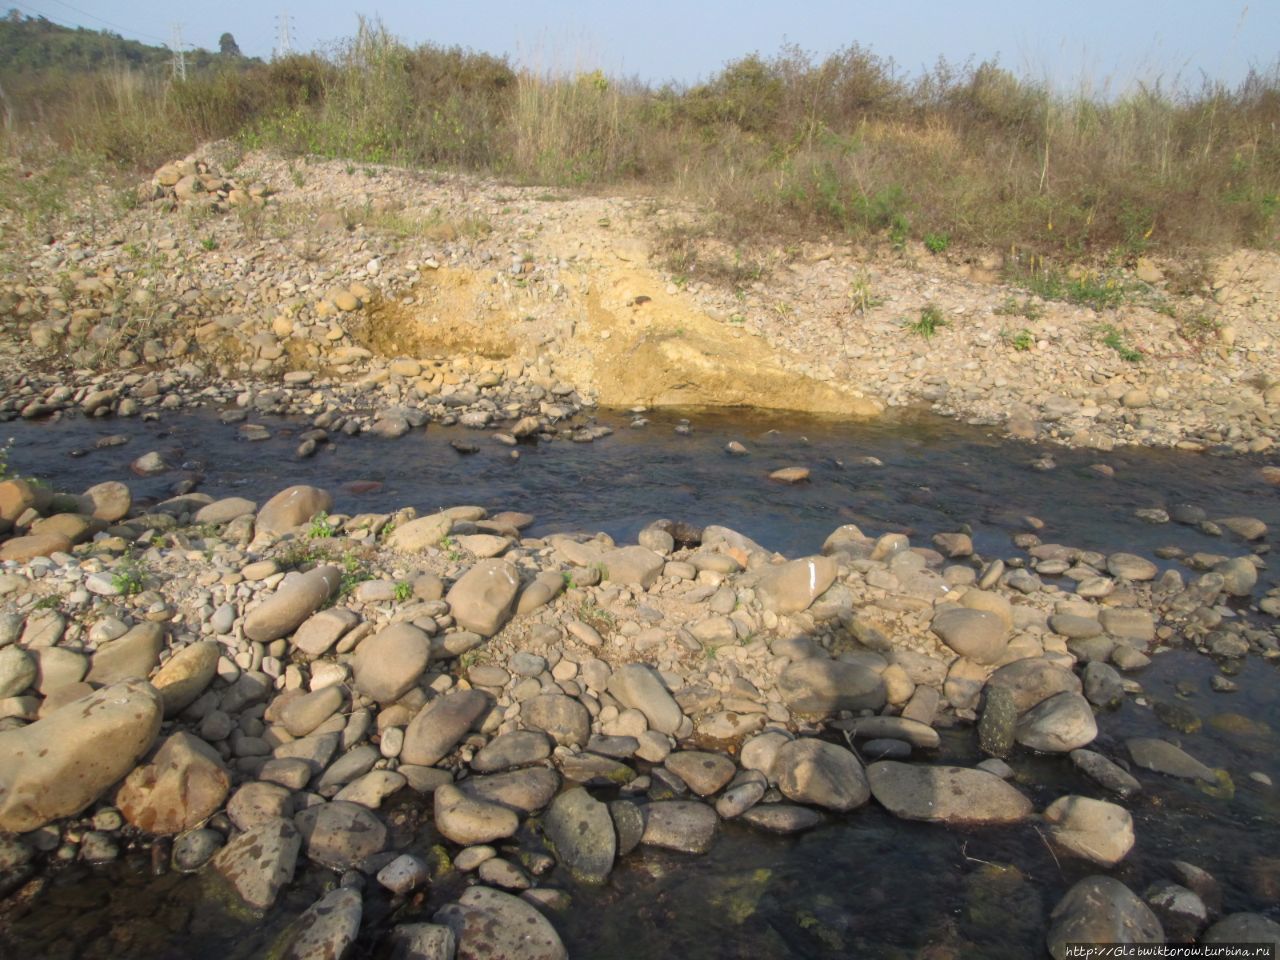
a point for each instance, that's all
(863, 884)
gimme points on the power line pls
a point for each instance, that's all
(284, 38)
(84, 13)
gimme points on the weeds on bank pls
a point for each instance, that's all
(320, 527)
(1021, 340)
(930, 322)
(127, 577)
(1111, 336)
(861, 295)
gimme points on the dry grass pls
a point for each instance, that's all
(783, 145)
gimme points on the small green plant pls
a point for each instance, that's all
(297, 177)
(936, 242)
(451, 549)
(4, 458)
(1198, 327)
(1113, 338)
(595, 616)
(127, 577)
(861, 295)
(404, 590)
(51, 602)
(569, 582)
(1021, 341)
(351, 169)
(1026, 308)
(320, 527)
(209, 242)
(930, 322)
(354, 572)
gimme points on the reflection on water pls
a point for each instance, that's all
(862, 885)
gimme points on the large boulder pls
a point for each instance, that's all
(1033, 680)
(258, 863)
(977, 635)
(59, 765)
(482, 599)
(820, 773)
(298, 597)
(490, 925)
(291, 508)
(186, 674)
(1101, 910)
(388, 664)
(793, 586)
(135, 654)
(1059, 724)
(437, 727)
(1093, 829)
(340, 835)
(816, 686)
(183, 785)
(638, 686)
(582, 835)
(962, 795)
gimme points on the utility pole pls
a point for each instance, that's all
(179, 54)
(284, 39)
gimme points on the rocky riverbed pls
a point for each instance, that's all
(378, 297)
(257, 693)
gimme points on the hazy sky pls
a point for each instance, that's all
(1112, 43)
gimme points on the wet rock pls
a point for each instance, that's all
(467, 820)
(259, 862)
(516, 749)
(1182, 913)
(490, 925)
(193, 849)
(910, 731)
(581, 832)
(1103, 686)
(818, 687)
(1128, 566)
(683, 825)
(256, 802)
(1244, 928)
(422, 941)
(1100, 910)
(526, 790)
(59, 765)
(1093, 829)
(328, 928)
(437, 727)
(782, 818)
(297, 598)
(945, 794)
(482, 599)
(404, 874)
(1105, 773)
(793, 586)
(290, 508)
(1060, 724)
(998, 724)
(1239, 576)
(977, 635)
(388, 664)
(638, 686)
(340, 835)
(1160, 756)
(704, 772)
(822, 774)
(1033, 680)
(1128, 623)
(182, 786)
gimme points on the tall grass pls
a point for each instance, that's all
(784, 144)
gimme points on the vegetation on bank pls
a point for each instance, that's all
(848, 145)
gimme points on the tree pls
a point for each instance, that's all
(227, 46)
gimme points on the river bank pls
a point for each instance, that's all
(388, 295)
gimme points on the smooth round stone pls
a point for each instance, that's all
(704, 772)
(1093, 829)
(1101, 909)
(1060, 724)
(822, 774)
(1244, 928)
(516, 749)
(404, 874)
(581, 832)
(945, 794)
(193, 849)
(683, 825)
(489, 924)
(340, 835)
(562, 718)
(1128, 566)
(467, 821)
(782, 818)
(977, 635)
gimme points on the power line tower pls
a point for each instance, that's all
(284, 34)
(179, 52)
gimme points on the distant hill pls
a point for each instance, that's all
(34, 43)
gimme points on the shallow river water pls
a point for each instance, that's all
(862, 885)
